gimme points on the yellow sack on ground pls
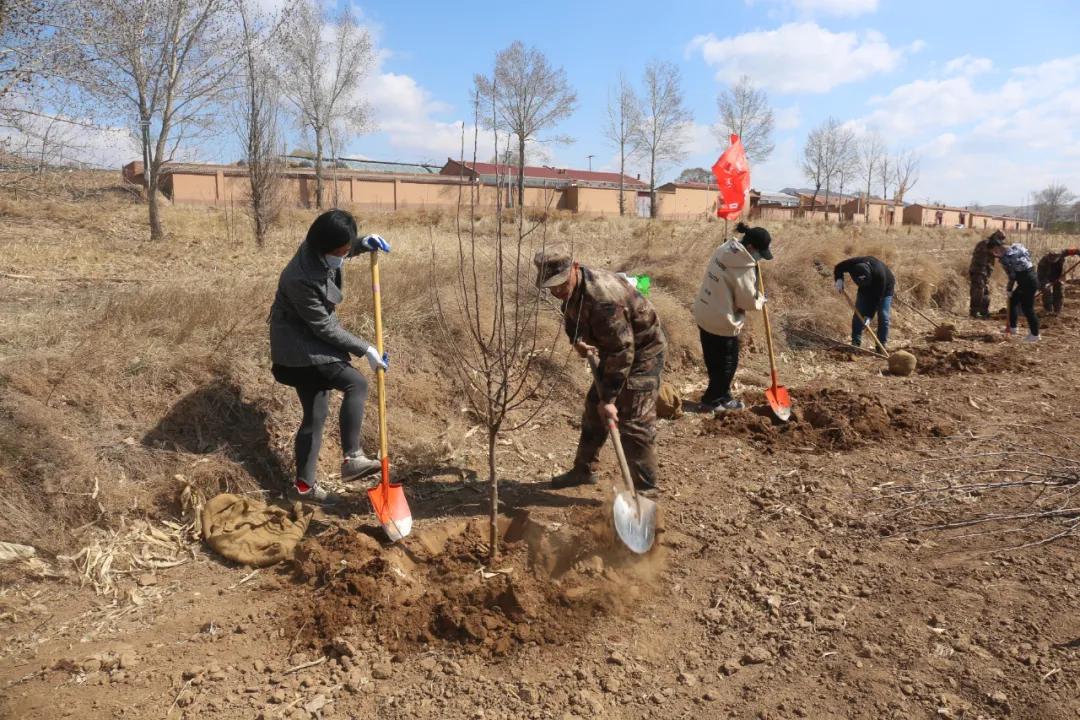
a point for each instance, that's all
(668, 404)
(248, 531)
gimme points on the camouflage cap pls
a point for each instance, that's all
(552, 267)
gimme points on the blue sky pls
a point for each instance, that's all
(987, 94)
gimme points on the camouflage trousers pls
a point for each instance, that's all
(980, 294)
(637, 427)
(1053, 297)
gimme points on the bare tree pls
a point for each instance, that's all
(871, 151)
(886, 173)
(906, 172)
(259, 119)
(529, 96)
(1051, 204)
(813, 164)
(745, 111)
(320, 78)
(503, 358)
(623, 119)
(662, 131)
(164, 66)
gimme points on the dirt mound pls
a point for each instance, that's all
(826, 420)
(547, 587)
(937, 362)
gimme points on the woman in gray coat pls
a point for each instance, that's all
(310, 349)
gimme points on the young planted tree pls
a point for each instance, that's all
(661, 133)
(259, 119)
(529, 96)
(623, 119)
(502, 356)
(163, 66)
(320, 69)
(745, 111)
(813, 163)
(886, 173)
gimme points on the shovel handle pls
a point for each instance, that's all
(925, 317)
(380, 374)
(768, 328)
(613, 432)
(866, 326)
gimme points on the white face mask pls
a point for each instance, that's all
(335, 261)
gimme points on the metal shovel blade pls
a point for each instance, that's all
(392, 509)
(635, 521)
(779, 401)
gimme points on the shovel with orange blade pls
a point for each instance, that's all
(387, 499)
(777, 395)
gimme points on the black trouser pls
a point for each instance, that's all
(1023, 299)
(721, 355)
(1053, 297)
(313, 385)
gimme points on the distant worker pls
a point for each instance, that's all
(728, 291)
(310, 349)
(1023, 284)
(1050, 269)
(979, 271)
(877, 285)
(606, 317)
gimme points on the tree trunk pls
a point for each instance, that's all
(318, 169)
(652, 184)
(521, 173)
(869, 179)
(493, 536)
(156, 231)
(828, 183)
(622, 174)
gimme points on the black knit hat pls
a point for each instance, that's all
(757, 238)
(997, 239)
(332, 230)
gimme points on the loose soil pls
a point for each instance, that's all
(547, 586)
(938, 362)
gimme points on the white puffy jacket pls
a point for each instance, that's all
(728, 290)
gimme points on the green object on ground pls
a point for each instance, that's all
(644, 282)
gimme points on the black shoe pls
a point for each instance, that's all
(574, 478)
(729, 406)
(708, 406)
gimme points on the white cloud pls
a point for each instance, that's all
(800, 57)
(969, 66)
(788, 118)
(842, 8)
(984, 140)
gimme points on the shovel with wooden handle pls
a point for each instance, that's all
(777, 395)
(866, 326)
(387, 499)
(634, 515)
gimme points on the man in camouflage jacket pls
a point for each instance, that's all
(605, 315)
(982, 265)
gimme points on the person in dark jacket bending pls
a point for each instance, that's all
(876, 285)
(1050, 269)
(310, 349)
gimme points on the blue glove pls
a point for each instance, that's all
(375, 242)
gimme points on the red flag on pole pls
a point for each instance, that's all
(733, 176)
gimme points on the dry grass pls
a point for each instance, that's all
(125, 364)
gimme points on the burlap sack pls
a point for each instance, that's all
(668, 404)
(250, 532)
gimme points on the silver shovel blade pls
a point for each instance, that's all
(635, 521)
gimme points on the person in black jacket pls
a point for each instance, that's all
(310, 349)
(877, 285)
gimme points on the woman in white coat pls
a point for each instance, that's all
(728, 291)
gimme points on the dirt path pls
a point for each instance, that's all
(787, 584)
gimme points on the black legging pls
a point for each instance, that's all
(1023, 298)
(721, 361)
(314, 398)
